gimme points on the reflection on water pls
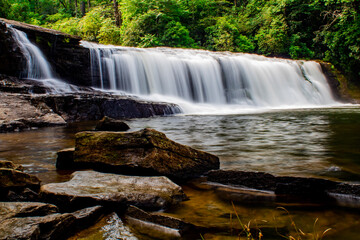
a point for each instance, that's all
(318, 142)
(36, 149)
(321, 143)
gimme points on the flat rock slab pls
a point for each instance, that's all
(53, 226)
(25, 209)
(88, 188)
(159, 226)
(18, 113)
(145, 152)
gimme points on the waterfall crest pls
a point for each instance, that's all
(205, 77)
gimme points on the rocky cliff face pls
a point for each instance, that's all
(69, 60)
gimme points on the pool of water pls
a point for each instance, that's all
(314, 142)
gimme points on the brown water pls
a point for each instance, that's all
(319, 143)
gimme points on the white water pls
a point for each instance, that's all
(208, 82)
(37, 67)
(201, 82)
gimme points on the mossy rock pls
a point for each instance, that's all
(145, 152)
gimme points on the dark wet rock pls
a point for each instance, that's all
(89, 188)
(11, 179)
(25, 209)
(23, 195)
(21, 108)
(156, 225)
(283, 187)
(256, 180)
(95, 105)
(54, 226)
(65, 158)
(110, 124)
(9, 84)
(144, 152)
(10, 165)
(309, 187)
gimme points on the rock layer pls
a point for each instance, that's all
(23, 106)
(53, 226)
(147, 151)
(89, 188)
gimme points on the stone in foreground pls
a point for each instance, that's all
(54, 226)
(25, 209)
(146, 152)
(11, 179)
(158, 226)
(89, 188)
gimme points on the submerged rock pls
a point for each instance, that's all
(54, 226)
(145, 152)
(157, 226)
(110, 124)
(287, 188)
(89, 188)
(109, 227)
(256, 180)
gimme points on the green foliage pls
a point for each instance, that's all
(109, 33)
(177, 35)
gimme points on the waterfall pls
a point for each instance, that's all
(215, 78)
(37, 67)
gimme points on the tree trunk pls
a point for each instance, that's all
(117, 15)
(83, 8)
(89, 4)
(76, 8)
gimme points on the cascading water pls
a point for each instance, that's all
(37, 67)
(215, 78)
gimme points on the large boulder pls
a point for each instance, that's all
(89, 188)
(146, 152)
(53, 226)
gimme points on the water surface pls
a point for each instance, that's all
(309, 142)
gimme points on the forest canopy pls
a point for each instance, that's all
(328, 30)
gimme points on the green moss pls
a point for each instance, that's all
(346, 87)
